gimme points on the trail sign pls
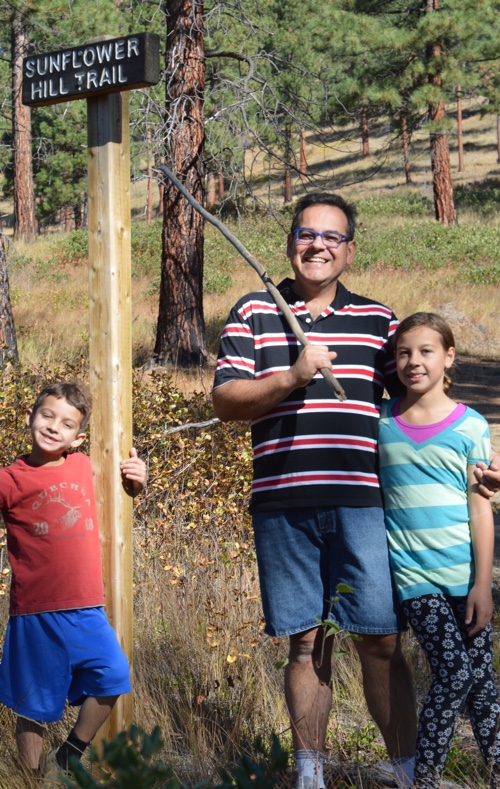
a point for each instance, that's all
(104, 66)
(103, 71)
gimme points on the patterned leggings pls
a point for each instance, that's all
(462, 673)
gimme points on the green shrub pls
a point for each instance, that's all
(428, 245)
(146, 249)
(72, 248)
(128, 761)
(482, 197)
(409, 204)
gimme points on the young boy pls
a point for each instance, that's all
(59, 643)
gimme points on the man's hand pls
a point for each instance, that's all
(488, 477)
(134, 471)
(311, 359)
(252, 398)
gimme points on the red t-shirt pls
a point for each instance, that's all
(52, 536)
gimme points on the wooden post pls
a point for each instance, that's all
(111, 361)
(104, 71)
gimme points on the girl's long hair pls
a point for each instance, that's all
(433, 321)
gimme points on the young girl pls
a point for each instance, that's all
(440, 533)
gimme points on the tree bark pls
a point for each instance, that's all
(221, 189)
(8, 341)
(303, 157)
(180, 336)
(442, 184)
(66, 218)
(365, 133)
(211, 190)
(149, 194)
(161, 190)
(78, 215)
(25, 225)
(460, 136)
(287, 181)
(406, 148)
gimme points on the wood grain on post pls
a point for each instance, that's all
(111, 362)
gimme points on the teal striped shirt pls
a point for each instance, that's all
(425, 501)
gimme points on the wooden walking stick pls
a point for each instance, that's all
(266, 279)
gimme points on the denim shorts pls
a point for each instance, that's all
(303, 554)
(56, 655)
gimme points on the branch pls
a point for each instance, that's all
(180, 428)
(271, 287)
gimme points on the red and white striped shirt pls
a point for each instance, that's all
(312, 449)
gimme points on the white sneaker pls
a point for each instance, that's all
(306, 782)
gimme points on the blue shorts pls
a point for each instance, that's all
(303, 554)
(58, 655)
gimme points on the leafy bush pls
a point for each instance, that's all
(483, 275)
(409, 204)
(482, 197)
(146, 249)
(429, 245)
(72, 248)
(128, 761)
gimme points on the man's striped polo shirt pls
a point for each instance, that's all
(312, 449)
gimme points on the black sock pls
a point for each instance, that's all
(72, 747)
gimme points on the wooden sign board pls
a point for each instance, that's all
(92, 69)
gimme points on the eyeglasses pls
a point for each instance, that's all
(330, 238)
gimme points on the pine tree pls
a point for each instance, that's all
(180, 333)
(407, 59)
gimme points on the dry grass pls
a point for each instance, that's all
(51, 315)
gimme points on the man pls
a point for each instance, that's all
(316, 504)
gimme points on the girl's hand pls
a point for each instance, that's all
(134, 471)
(479, 608)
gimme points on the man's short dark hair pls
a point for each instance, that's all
(76, 394)
(326, 198)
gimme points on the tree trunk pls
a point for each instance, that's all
(211, 190)
(221, 190)
(406, 148)
(149, 195)
(287, 186)
(180, 335)
(444, 206)
(78, 215)
(8, 342)
(287, 182)
(161, 190)
(460, 137)
(66, 213)
(442, 184)
(25, 226)
(303, 158)
(365, 134)
(498, 139)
